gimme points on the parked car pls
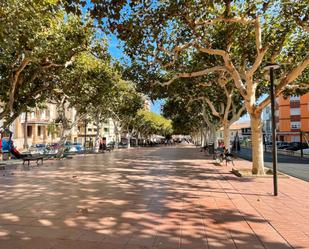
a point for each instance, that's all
(122, 145)
(305, 151)
(283, 145)
(294, 146)
(110, 145)
(76, 147)
(52, 148)
(37, 149)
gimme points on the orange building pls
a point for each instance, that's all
(292, 117)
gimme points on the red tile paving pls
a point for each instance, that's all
(155, 198)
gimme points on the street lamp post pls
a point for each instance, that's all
(271, 68)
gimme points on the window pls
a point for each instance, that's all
(39, 130)
(294, 98)
(89, 129)
(295, 125)
(295, 111)
(105, 129)
(43, 114)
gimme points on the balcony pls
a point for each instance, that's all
(295, 118)
(295, 104)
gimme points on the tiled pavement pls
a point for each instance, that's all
(158, 198)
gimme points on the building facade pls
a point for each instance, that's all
(38, 127)
(292, 117)
(87, 132)
(237, 129)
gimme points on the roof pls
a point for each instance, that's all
(239, 126)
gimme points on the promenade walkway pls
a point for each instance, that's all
(154, 198)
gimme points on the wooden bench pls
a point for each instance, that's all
(38, 159)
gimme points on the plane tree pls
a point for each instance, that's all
(125, 102)
(37, 40)
(150, 123)
(243, 36)
(84, 87)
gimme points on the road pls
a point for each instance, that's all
(289, 165)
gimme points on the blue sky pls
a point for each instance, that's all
(115, 48)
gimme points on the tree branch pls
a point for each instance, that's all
(191, 75)
(302, 24)
(174, 53)
(14, 81)
(229, 66)
(259, 48)
(292, 75)
(212, 107)
(238, 114)
(241, 20)
(288, 78)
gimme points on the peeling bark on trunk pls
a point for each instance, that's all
(257, 144)
(205, 138)
(226, 134)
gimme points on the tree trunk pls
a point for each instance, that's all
(226, 134)
(257, 144)
(136, 139)
(215, 138)
(117, 132)
(64, 136)
(213, 135)
(97, 137)
(205, 142)
(129, 140)
(25, 131)
(67, 128)
(201, 137)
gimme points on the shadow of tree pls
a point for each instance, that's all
(143, 198)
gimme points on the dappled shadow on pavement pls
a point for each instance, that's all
(142, 198)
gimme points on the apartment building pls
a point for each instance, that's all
(87, 132)
(292, 117)
(41, 128)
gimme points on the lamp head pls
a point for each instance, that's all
(271, 65)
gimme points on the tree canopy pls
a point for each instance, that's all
(37, 40)
(238, 37)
